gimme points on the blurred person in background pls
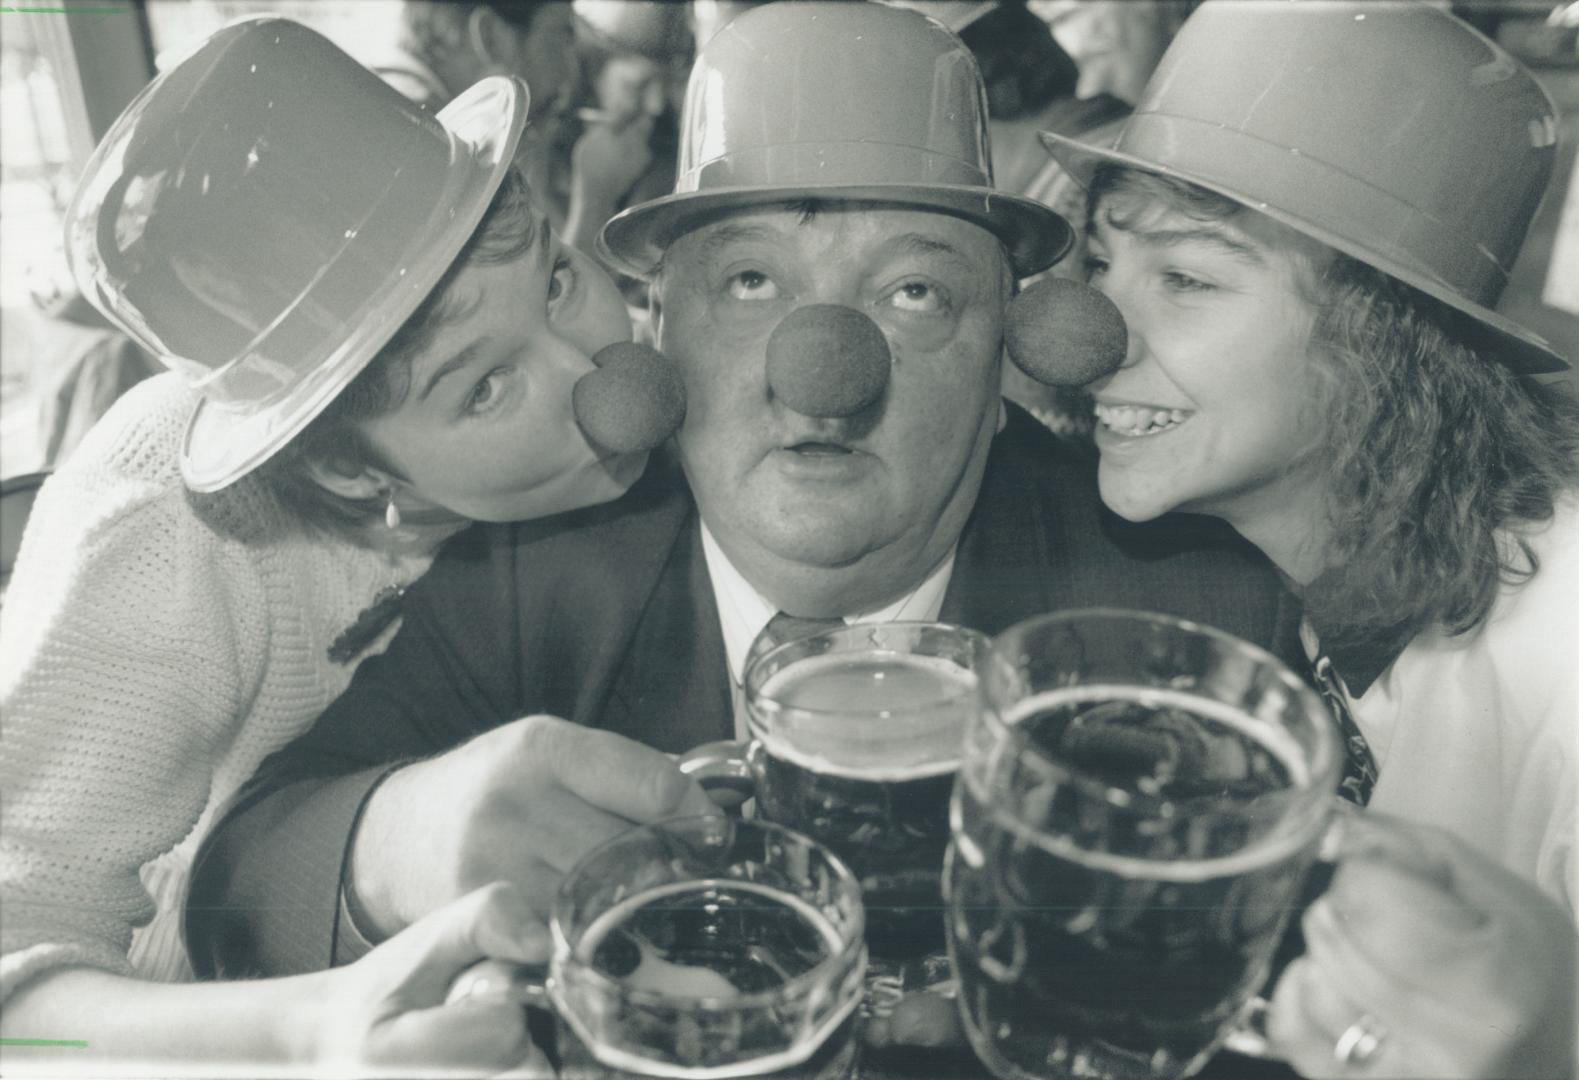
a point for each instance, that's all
(637, 55)
(444, 46)
(1116, 43)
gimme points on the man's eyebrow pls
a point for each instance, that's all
(921, 244)
(1238, 249)
(736, 232)
(454, 363)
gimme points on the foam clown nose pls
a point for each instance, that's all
(634, 401)
(827, 360)
(1065, 333)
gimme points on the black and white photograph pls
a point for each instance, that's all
(801, 539)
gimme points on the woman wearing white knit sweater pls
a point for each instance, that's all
(374, 340)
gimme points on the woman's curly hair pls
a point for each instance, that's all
(1432, 448)
(1433, 454)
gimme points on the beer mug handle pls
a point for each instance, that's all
(723, 768)
(524, 984)
(1347, 833)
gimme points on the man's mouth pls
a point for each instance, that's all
(1133, 421)
(818, 449)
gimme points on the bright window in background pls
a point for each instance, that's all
(357, 26)
(40, 120)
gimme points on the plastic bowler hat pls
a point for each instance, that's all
(834, 101)
(265, 215)
(1390, 131)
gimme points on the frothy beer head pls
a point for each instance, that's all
(880, 715)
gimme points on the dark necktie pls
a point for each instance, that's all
(784, 628)
(1359, 767)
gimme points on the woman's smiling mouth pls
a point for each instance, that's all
(1133, 421)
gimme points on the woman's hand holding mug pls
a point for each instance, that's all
(1426, 959)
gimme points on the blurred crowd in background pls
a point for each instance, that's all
(607, 78)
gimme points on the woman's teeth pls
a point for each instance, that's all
(1138, 420)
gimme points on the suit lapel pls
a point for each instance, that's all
(672, 689)
(1006, 568)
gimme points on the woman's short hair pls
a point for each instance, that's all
(334, 440)
(1430, 447)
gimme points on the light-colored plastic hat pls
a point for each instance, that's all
(267, 213)
(1389, 130)
(849, 101)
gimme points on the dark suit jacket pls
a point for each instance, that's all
(606, 616)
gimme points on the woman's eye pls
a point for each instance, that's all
(752, 285)
(1094, 266)
(562, 282)
(921, 296)
(487, 391)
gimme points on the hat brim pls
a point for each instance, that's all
(1497, 336)
(223, 444)
(1034, 235)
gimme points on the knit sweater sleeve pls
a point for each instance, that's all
(127, 645)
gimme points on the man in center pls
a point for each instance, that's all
(832, 154)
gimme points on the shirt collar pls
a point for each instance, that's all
(1357, 666)
(743, 611)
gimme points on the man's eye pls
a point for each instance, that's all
(1094, 266)
(919, 296)
(562, 282)
(1180, 282)
(752, 285)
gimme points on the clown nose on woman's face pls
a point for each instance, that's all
(827, 360)
(1065, 333)
(634, 400)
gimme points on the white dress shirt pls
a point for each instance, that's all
(743, 611)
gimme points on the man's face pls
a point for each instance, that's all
(1213, 410)
(872, 501)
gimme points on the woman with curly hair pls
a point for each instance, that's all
(1308, 263)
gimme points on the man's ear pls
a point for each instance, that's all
(490, 37)
(339, 478)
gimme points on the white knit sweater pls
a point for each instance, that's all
(148, 664)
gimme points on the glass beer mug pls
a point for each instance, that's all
(1138, 804)
(856, 735)
(702, 948)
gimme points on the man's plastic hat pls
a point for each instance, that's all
(267, 213)
(1390, 131)
(848, 101)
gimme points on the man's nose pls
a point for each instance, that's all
(827, 361)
